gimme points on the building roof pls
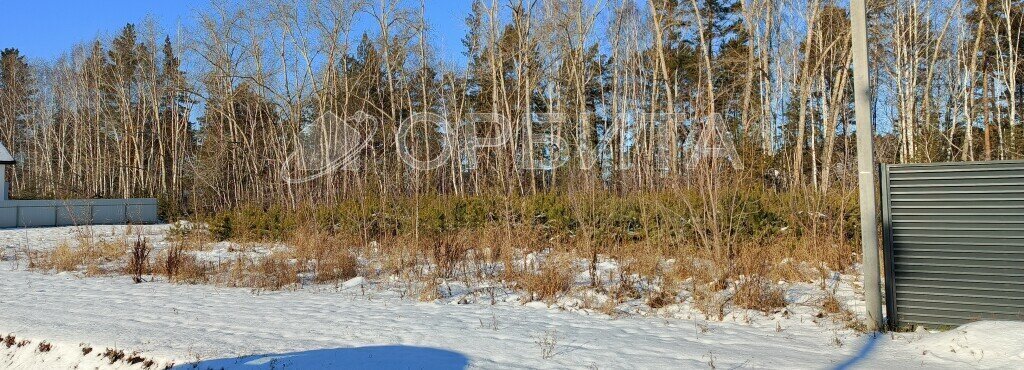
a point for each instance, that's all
(5, 155)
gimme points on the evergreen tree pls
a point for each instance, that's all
(17, 89)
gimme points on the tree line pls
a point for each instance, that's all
(206, 120)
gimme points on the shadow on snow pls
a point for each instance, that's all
(862, 354)
(373, 357)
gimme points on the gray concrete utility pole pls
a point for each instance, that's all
(866, 166)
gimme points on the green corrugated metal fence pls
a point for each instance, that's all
(954, 242)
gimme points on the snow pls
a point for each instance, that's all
(14, 240)
(227, 251)
(60, 356)
(1001, 343)
(354, 282)
(362, 324)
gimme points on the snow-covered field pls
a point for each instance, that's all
(362, 325)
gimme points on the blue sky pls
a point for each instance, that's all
(44, 29)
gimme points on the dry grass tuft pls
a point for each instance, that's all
(62, 259)
(134, 358)
(326, 255)
(138, 261)
(335, 264)
(710, 299)
(431, 290)
(181, 267)
(851, 321)
(273, 272)
(660, 298)
(708, 281)
(553, 279)
(172, 262)
(394, 256)
(831, 305)
(113, 355)
(95, 258)
(758, 294)
(835, 309)
(445, 252)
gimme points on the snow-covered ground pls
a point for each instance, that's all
(361, 325)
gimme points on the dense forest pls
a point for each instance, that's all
(206, 120)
